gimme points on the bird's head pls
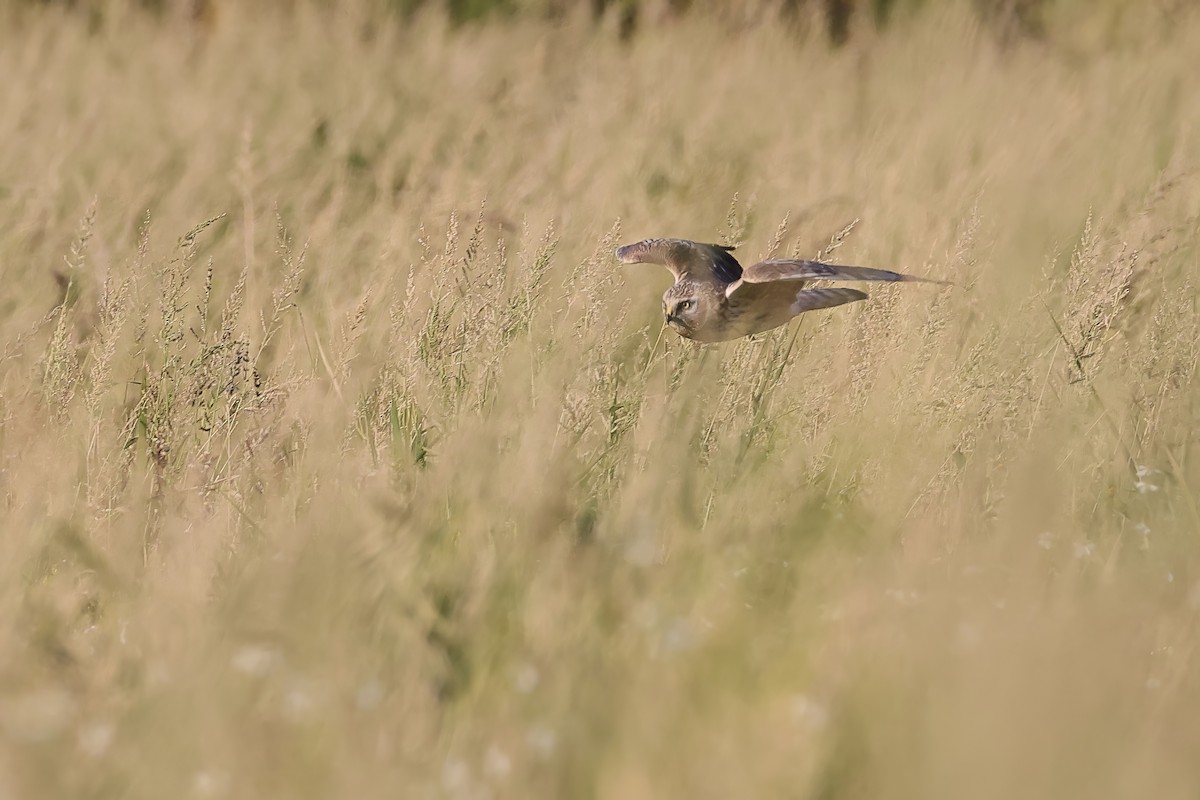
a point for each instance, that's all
(684, 308)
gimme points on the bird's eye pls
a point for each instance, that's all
(685, 305)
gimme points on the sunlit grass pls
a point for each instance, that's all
(338, 457)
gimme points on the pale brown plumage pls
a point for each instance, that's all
(714, 299)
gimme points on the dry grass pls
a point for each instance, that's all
(338, 458)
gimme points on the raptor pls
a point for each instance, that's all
(715, 299)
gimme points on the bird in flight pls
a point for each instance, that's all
(715, 299)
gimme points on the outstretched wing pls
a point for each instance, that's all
(684, 258)
(799, 270)
(766, 283)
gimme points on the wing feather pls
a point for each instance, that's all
(800, 270)
(812, 299)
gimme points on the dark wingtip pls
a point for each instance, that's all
(725, 266)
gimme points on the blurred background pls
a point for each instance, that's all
(338, 457)
(1100, 23)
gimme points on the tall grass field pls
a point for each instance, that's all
(340, 459)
